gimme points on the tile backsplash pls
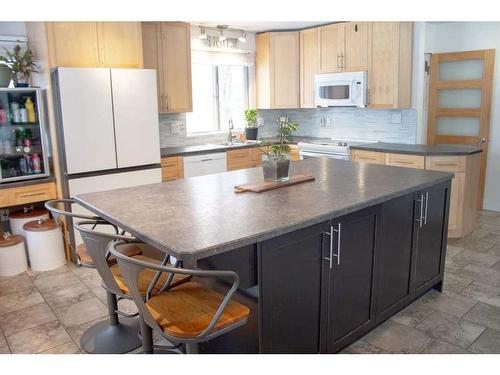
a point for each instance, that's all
(397, 126)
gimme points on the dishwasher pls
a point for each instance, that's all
(199, 165)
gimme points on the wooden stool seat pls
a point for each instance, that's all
(86, 259)
(146, 276)
(186, 311)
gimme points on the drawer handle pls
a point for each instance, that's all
(206, 159)
(33, 194)
(170, 165)
(367, 158)
(403, 162)
(446, 164)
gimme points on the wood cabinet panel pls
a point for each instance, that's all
(30, 194)
(176, 62)
(151, 50)
(405, 160)
(446, 163)
(331, 48)
(309, 66)
(73, 44)
(240, 159)
(356, 46)
(372, 157)
(285, 70)
(172, 168)
(390, 64)
(294, 153)
(121, 44)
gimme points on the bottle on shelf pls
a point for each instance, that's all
(37, 163)
(23, 115)
(3, 114)
(30, 108)
(14, 109)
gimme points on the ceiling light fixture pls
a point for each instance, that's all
(243, 37)
(203, 34)
(222, 37)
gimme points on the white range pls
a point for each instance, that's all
(329, 148)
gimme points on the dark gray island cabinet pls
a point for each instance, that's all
(372, 239)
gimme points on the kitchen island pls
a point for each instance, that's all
(321, 263)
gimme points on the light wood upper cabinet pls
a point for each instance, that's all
(121, 44)
(94, 44)
(331, 48)
(308, 66)
(167, 48)
(390, 65)
(356, 47)
(73, 44)
(277, 70)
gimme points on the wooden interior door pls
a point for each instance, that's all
(121, 44)
(460, 87)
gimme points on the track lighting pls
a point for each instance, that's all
(203, 34)
(222, 37)
(243, 37)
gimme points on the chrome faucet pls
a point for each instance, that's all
(230, 135)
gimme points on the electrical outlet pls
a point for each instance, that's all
(260, 121)
(175, 128)
(396, 118)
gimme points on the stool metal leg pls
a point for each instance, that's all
(192, 348)
(147, 337)
(113, 336)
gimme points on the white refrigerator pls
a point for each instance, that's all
(108, 129)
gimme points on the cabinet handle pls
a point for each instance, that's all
(96, 56)
(426, 205)
(403, 162)
(206, 159)
(32, 194)
(166, 101)
(420, 220)
(103, 56)
(445, 164)
(330, 259)
(342, 61)
(338, 57)
(338, 230)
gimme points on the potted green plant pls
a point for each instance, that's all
(276, 156)
(20, 64)
(251, 129)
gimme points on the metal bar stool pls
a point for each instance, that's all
(81, 254)
(118, 336)
(188, 313)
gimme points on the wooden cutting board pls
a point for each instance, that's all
(266, 186)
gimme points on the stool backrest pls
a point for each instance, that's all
(53, 205)
(96, 241)
(131, 268)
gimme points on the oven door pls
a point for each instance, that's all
(315, 154)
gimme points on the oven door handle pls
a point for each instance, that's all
(324, 154)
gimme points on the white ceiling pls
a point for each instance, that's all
(261, 26)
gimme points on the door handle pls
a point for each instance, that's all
(330, 259)
(420, 220)
(426, 205)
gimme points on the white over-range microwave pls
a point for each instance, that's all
(340, 89)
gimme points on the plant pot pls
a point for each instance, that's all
(251, 133)
(4, 76)
(20, 80)
(276, 169)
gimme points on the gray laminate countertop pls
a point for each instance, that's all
(417, 149)
(201, 216)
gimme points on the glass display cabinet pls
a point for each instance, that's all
(23, 138)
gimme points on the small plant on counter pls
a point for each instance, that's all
(21, 65)
(281, 148)
(276, 158)
(251, 118)
(251, 129)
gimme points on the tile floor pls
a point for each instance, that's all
(48, 312)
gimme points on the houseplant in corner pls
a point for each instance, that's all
(276, 157)
(21, 65)
(251, 128)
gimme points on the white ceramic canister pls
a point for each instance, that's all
(45, 245)
(12, 255)
(19, 218)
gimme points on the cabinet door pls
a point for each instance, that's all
(356, 46)
(151, 53)
(394, 255)
(308, 66)
(120, 44)
(331, 48)
(73, 44)
(350, 312)
(432, 219)
(383, 74)
(284, 61)
(290, 291)
(176, 62)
